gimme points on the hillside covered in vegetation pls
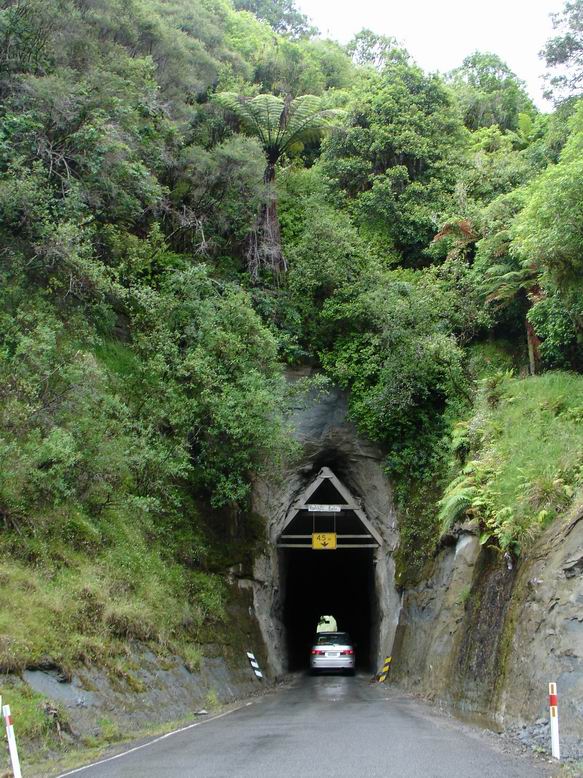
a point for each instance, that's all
(195, 194)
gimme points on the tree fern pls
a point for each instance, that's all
(503, 282)
(278, 124)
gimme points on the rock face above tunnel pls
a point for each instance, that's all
(325, 437)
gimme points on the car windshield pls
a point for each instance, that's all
(333, 638)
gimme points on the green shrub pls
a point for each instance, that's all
(526, 463)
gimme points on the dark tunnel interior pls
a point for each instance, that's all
(338, 583)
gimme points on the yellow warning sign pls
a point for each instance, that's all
(324, 541)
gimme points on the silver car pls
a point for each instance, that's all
(332, 651)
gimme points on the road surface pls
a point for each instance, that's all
(326, 727)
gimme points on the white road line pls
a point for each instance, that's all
(156, 740)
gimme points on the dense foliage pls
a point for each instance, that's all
(395, 165)
(195, 192)
(521, 456)
(489, 93)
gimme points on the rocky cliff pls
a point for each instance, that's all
(486, 636)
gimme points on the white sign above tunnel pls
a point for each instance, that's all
(324, 508)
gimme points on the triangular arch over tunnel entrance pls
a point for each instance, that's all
(327, 506)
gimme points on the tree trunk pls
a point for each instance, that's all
(534, 294)
(269, 174)
(533, 349)
(265, 244)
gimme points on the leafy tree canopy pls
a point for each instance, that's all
(489, 92)
(564, 52)
(549, 232)
(395, 164)
(369, 48)
(282, 15)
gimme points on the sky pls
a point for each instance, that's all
(440, 34)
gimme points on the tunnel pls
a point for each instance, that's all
(327, 554)
(339, 583)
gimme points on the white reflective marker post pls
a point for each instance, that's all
(11, 742)
(554, 710)
(255, 665)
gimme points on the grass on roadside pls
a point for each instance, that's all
(86, 608)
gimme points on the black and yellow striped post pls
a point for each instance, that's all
(382, 676)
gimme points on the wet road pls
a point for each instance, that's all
(325, 727)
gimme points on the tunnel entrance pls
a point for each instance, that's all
(337, 582)
(327, 561)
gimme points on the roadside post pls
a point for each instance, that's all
(11, 741)
(255, 665)
(382, 675)
(554, 711)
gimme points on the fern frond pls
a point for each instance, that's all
(459, 497)
(502, 282)
(277, 123)
(308, 120)
(453, 507)
(259, 115)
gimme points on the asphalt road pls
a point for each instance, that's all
(323, 727)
